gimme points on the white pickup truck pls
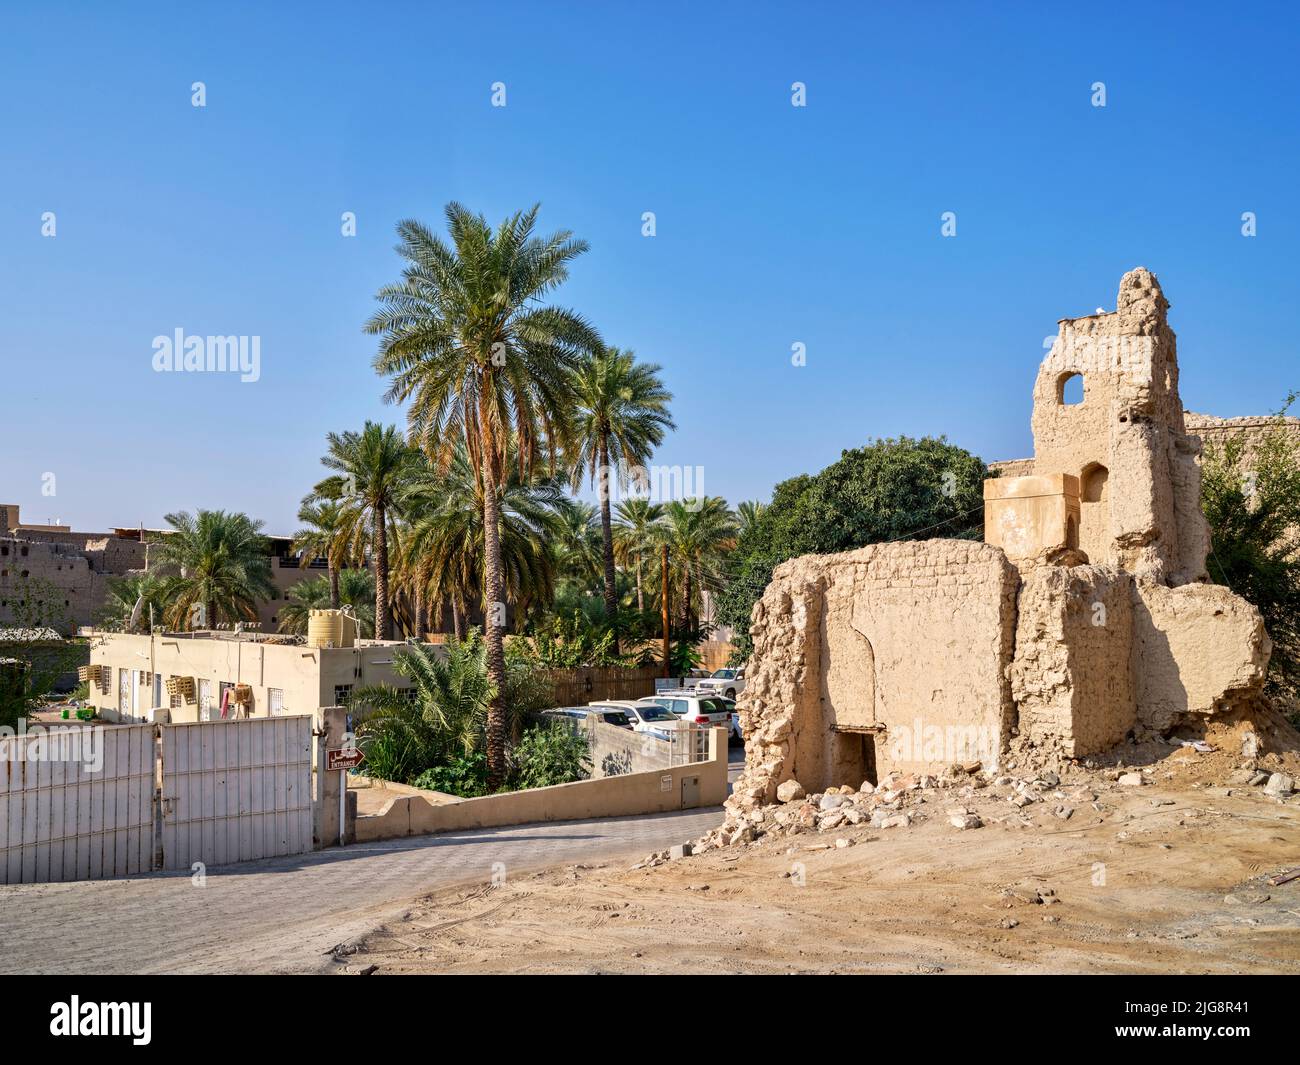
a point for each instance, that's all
(725, 682)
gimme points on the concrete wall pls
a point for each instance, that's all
(616, 751)
(658, 791)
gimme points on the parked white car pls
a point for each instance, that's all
(725, 682)
(643, 716)
(687, 705)
(736, 735)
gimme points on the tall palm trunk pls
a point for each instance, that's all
(493, 615)
(457, 622)
(210, 613)
(607, 538)
(383, 627)
(640, 594)
(686, 601)
(334, 585)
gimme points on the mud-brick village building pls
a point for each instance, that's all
(1084, 618)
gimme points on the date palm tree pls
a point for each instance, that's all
(371, 468)
(636, 533)
(445, 541)
(467, 339)
(577, 543)
(132, 600)
(215, 559)
(747, 515)
(354, 588)
(322, 536)
(699, 532)
(620, 417)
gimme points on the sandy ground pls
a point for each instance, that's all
(1169, 877)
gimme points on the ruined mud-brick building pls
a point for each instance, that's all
(1084, 617)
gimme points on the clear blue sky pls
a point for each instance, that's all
(776, 224)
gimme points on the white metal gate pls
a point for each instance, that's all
(236, 790)
(76, 804)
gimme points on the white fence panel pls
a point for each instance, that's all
(236, 790)
(76, 804)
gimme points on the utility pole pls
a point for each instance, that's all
(663, 600)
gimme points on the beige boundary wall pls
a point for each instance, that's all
(681, 787)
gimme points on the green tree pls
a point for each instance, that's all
(620, 417)
(33, 654)
(699, 533)
(893, 489)
(636, 535)
(577, 544)
(445, 540)
(216, 560)
(1252, 503)
(443, 717)
(372, 468)
(323, 535)
(467, 339)
(551, 753)
(137, 596)
(747, 515)
(352, 588)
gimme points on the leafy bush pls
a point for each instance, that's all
(465, 776)
(900, 489)
(441, 718)
(571, 641)
(1254, 517)
(550, 753)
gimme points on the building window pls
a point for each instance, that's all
(342, 693)
(1069, 389)
(24, 552)
(275, 701)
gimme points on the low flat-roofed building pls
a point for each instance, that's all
(195, 674)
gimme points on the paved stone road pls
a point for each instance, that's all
(284, 914)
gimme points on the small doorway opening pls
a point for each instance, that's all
(853, 757)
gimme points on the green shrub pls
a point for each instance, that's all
(1252, 504)
(465, 776)
(550, 753)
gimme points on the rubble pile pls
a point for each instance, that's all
(965, 796)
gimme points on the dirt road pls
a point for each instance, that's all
(1149, 879)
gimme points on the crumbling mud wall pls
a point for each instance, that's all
(1093, 625)
(1071, 677)
(1126, 442)
(894, 656)
(1197, 650)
